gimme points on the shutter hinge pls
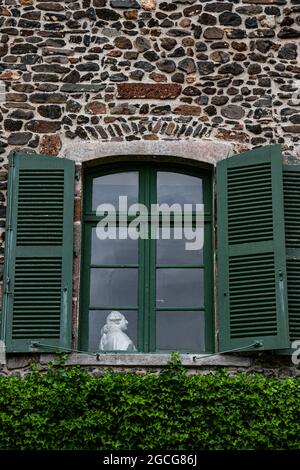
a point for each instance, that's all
(7, 287)
(77, 175)
(12, 160)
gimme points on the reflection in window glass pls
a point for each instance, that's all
(177, 188)
(179, 288)
(114, 287)
(113, 251)
(97, 322)
(108, 188)
(180, 331)
(174, 251)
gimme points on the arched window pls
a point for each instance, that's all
(147, 277)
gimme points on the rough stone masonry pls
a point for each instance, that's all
(113, 70)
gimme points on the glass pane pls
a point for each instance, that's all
(113, 251)
(114, 286)
(177, 188)
(179, 288)
(180, 331)
(108, 188)
(175, 251)
(109, 333)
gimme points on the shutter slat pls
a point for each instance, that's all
(39, 252)
(251, 261)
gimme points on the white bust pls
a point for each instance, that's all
(113, 337)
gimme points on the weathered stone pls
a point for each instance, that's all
(254, 128)
(16, 97)
(124, 109)
(148, 5)
(107, 15)
(193, 10)
(188, 110)
(96, 107)
(22, 114)
(28, 24)
(72, 77)
(230, 19)
(129, 55)
(45, 77)
(293, 129)
(82, 87)
(158, 77)
(249, 10)
(219, 100)
(23, 48)
(50, 144)
(191, 91)
(287, 51)
(232, 68)
(88, 67)
(48, 98)
(42, 127)
(166, 65)
(125, 4)
(123, 43)
(73, 106)
(207, 19)
(205, 67)
(218, 7)
(118, 77)
(144, 65)
(213, 33)
(152, 56)
(50, 111)
(50, 68)
(137, 75)
(25, 2)
(295, 119)
(220, 57)
(235, 33)
(12, 125)
(50, 6)
(289, 33)
(233, 112)
(168, 43)
(232, 135)
(178, 52)
(187, 65)
(99, 3)
(149, 91)
(142, 44)
(23, 87)
(178, 77)
(178, 33)
(19, 138)
(10, 75)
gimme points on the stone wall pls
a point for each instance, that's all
(148, 69)
(87, 71)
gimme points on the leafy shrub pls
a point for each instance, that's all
(69, 409)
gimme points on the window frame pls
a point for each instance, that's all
(147, 252)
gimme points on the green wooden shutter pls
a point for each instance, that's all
(251, 251)
(291, 189)
(38, 254)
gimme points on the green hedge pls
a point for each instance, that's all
(69, 409)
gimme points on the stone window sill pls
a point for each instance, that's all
(149, 360)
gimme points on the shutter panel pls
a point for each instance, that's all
(251, 251)
(291, 190)
(38, 254)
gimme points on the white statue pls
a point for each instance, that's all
(113, 337)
